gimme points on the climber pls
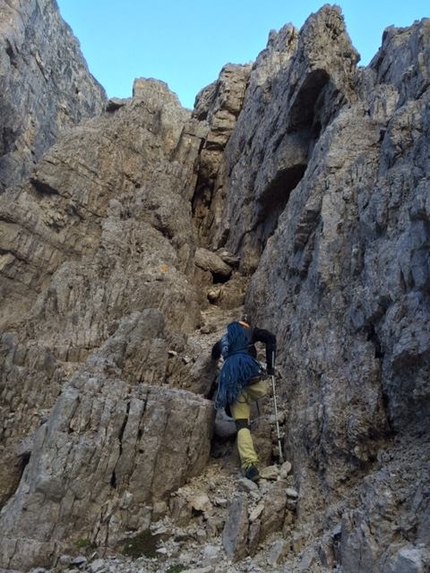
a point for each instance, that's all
(241, 381)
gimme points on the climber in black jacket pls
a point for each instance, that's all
(241, 382)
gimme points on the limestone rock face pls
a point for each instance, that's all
(45, 86)
(109, 229)
(217, 106)
(107, 453)
(299, 188)
(125, 197)
(295, 88)
(344, 282)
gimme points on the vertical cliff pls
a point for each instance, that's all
(45, 85)
(327, 179)
(344, 279)
(298, 187)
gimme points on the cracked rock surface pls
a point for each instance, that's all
(296, 192)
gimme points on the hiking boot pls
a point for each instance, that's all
(252, 473)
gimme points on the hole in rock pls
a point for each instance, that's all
(219, 278)
(24, 460)
(303, 111)
(276, 197)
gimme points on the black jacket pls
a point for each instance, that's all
(256, 335)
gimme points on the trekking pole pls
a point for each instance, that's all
(278, 433)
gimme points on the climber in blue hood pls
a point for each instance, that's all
(241, 381)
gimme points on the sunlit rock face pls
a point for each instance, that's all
(298, 186)
(45, 85)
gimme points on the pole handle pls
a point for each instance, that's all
(278, 433)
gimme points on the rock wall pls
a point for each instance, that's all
(107, 454)
(344, 282)
(45, 85)
(298, 186)
(104, 268)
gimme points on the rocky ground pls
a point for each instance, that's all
(209, 524)
(213, 523)
(203, 544)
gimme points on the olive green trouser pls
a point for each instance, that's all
(240, 411)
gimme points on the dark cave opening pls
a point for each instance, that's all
(24, 460)
(304, 128)
(276, 198)
(218, 278)
(305, 107)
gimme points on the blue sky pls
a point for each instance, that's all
(186, 43)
